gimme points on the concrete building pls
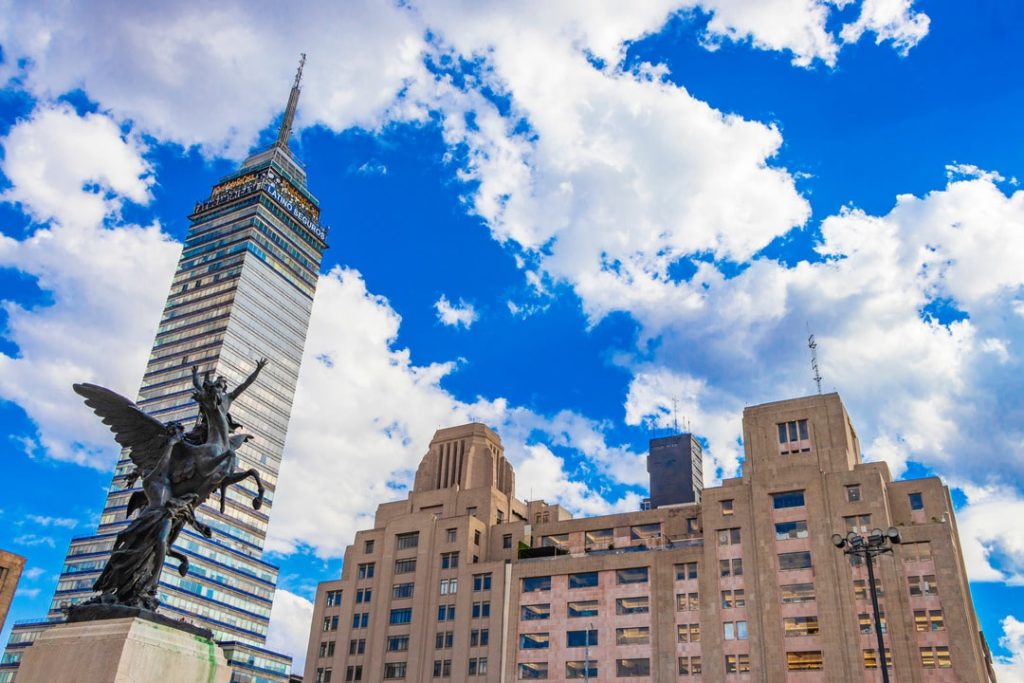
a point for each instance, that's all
(462, 581)
(243, 290)
(11, 566)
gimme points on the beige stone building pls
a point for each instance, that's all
(10, 571)
(462, 581)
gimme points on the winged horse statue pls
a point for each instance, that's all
(179, 472)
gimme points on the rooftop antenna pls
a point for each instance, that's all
(675, 415)
(293, 103)
(813, 346)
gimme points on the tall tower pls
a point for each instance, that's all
(676, 466)
(243, 290)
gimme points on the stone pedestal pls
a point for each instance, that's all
(124, 650)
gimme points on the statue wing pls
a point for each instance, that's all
(143, 436)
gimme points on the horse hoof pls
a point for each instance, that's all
(257, 502)
(183, 568)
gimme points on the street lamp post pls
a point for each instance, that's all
(877, 543)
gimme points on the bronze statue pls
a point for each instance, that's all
(179, 472)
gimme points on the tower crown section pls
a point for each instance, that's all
(468, 457)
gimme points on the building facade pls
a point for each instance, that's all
(243, 290)
(462, 581)
(676, 468)
(11, 566)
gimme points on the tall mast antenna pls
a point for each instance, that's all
(293, 103)
(813, 346)
(675, 415)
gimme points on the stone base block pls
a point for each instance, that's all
(127, 650)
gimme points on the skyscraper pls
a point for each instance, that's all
(243, 290)
(676, 466)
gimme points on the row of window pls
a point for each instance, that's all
(588, 579)
(624, 668)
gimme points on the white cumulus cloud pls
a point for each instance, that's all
(290, 619)
(460, 314)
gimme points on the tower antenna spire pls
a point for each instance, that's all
(293, 103)
(813, 346)
(675, 415)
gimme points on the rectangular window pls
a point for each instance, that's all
(482, 610)
(858, 523)
(365, 571)
(687, 601)
(534, 612)
(536, 583)
(444, 640)
(360, 619)
(733, 567)
(800, 626)
(401, 616)
(633, 635)
(916, 501)
(632, 575)
(788, 499)
(599, 538)
(479, 637)
(689, 666)
(533, 671)
(354, 673)
(410, 540)
(446, 612)
(733, 598)
(481, 582)
(506, 541)
(555, 541)
(477, 666)
(580, 638)
(449, 560)
(935, 657)
(787, 531)
(853, 495)
(331, 623)
(803, 661)
(582, 608)
(639, 604)
(645, 532)
(333, 598)
(394, 670)
(728, 536)
(737, 664)
(584, 580)
(734, 630)
(631, 668)
(402, 590)
(476, 534)
(357, 646)
(364, 595)
(860, 587)
(727, 508)
(929, 620)
(871, 659)
(692, 525)
(798, 560)
(442, 668)
(452, 535)
(794, 437)
(688, 633)
(449, 586)
(797, 592)
(395, 644)
(916, 552)
(406, 566)
(534, 641)
(921, 586)
(579, 669)
(686, 571)
(867, 623)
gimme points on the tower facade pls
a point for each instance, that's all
(243, 290)
(676, 466)
(463, 582)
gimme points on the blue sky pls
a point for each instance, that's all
(561, 220)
